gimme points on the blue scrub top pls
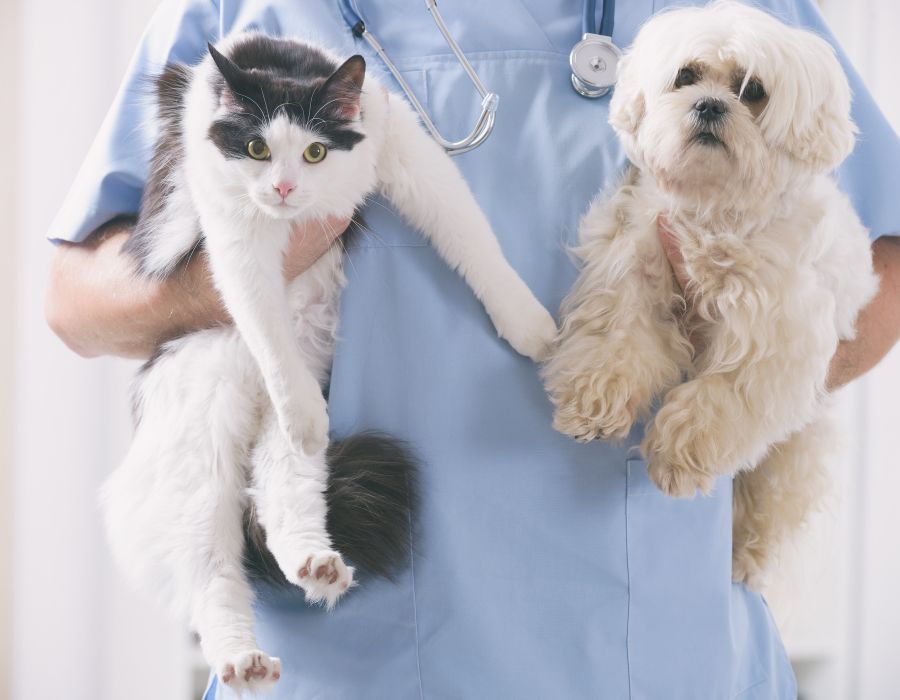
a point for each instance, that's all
(541, 568)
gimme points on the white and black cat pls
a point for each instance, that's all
(262, 134)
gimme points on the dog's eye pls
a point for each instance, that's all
(686, 76)
(754, 91)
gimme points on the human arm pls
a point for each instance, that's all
(878, 324)
(98, 305)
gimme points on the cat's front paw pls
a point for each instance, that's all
(597, 405)
(306, 424)
(526, 325)
(250, 670)
(315, 428)
(323, 576)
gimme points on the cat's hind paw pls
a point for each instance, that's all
(324, 577)
(249, 670)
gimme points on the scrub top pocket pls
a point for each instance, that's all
(675, 548)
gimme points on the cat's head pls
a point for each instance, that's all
(288, 126)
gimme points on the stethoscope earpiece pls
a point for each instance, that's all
(594, 61)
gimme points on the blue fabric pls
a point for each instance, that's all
(542, 568)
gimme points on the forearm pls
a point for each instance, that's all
(98, 306)
(878, 325)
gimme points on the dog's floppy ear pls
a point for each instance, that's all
(819, 129)
(626, 108)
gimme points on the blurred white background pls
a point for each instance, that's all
(69, 628)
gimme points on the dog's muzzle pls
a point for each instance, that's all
(710, 110)
(709, 116)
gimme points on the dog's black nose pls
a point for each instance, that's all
(709, 109)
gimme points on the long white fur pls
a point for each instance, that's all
(234, 415)
(779, 266)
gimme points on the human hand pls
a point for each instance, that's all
(676, 262)
(673, 253)
(98, 306)
(308, 243)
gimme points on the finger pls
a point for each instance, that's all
(334, 226)
(309, 241)
(672, 251)
(318, 229)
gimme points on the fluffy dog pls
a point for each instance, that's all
(733, 122)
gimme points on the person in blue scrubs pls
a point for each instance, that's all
(541, 568)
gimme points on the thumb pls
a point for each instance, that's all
(673, 252)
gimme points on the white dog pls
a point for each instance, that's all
(733, 122)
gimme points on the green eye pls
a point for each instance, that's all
(258, 149)
(315, 152)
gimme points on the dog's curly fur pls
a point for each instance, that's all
(733, 122)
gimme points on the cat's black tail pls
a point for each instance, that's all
(372, 503)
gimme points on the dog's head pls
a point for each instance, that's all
(725, 97)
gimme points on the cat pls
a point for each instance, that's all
(265, 133)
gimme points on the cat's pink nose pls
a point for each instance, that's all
(284, 188)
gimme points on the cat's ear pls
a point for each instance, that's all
(342, 90)
(239, 80)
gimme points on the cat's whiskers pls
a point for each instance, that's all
(268, 114)
(285, 104)
(373, 199)
(256, 104)
(366, 231)
(194, 249)
(321, 107)
(338, 237)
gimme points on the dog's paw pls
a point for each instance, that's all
(597, 406)
(250, 670)
(323, 576)
(672, 467)
(683, 447)
(748, 567)
(678, 480)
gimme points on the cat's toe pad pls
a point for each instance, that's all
(324, 577)
(250, 670)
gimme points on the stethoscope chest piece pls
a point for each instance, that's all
(594, 61)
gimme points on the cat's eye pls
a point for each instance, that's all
(753, 92)
(687, 76)
(315, 152)
(258, 149)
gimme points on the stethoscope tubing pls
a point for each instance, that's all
(607, 17)
(489, 100)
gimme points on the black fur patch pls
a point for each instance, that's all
(168, 155)
(372, 500)
(263, 77)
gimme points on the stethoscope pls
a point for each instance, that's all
(593, 60)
